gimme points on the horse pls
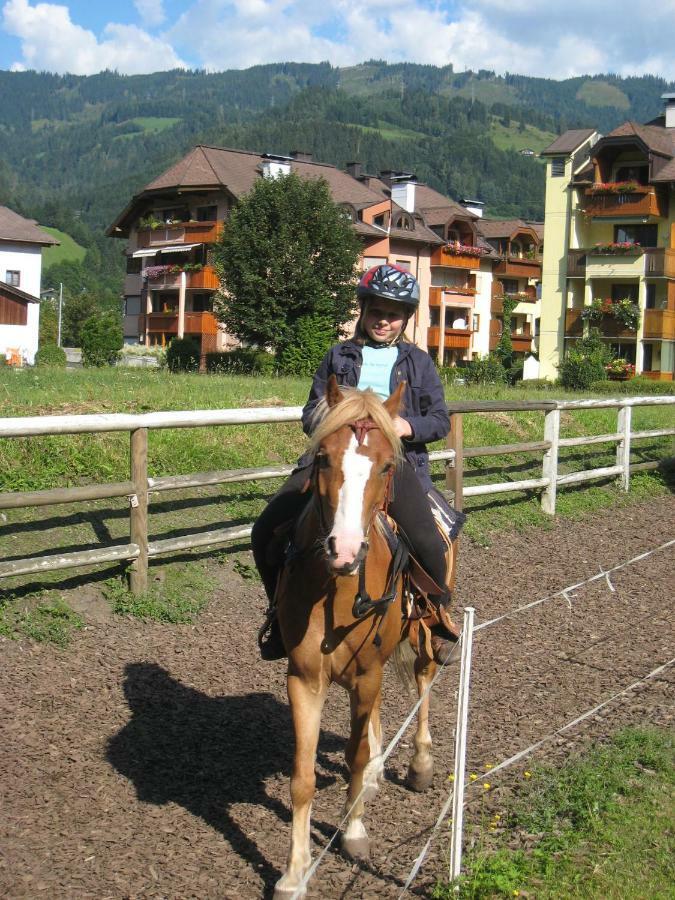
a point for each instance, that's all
(340, 555)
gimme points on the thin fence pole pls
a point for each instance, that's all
(624, 421)
(138, 514)
(460, 745)
(454, 470)
(550, 463)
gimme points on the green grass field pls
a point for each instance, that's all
(512, 138)
(67, 250)
(601, 93)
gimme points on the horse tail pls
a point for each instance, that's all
(404, 665)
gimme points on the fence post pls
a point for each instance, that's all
(550, 463)
(623, 428)
(138, 573)
(454, 469)
(460, 745)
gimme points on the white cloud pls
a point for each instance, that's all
(150, 11)
(51, 41)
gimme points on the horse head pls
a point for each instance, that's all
(356, 450)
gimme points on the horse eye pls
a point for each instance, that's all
(386, 468)
(322, 460)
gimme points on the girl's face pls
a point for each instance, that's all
(383, 320)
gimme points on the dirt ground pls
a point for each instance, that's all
(153, 761)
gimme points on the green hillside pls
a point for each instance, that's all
(67, 250)
(519, 137)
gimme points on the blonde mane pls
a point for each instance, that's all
(355, 405)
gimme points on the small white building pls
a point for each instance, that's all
(21, 243)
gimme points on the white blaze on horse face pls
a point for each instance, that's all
(347, 534)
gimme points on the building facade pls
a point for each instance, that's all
(609, 244)
(21, 243)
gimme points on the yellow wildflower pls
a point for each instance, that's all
(472, 777)
(486, 785)
(527, 774)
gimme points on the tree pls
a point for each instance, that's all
(287, 258)
(101, 339)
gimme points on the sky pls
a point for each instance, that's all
(528, 37)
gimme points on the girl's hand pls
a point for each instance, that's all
(402, 427)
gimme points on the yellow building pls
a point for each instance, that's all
(609, 244)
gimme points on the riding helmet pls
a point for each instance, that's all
(392, 283)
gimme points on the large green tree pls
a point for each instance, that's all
(287, 260)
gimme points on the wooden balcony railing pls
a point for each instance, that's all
(441, 257)
(659, 324)
(574, 324)
(647, 202)
(660, 261)
(450, 293)
(458, 338)
(518, 267)
(204, 279)
(182, 233)
(576, 263)
(195, 323)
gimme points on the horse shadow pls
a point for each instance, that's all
(208, 753)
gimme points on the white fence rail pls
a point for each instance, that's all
(139, 487)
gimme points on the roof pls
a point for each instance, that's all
(16, 294)
(496, 228)
(568, 142)
(659, 140)
(14, 227)
(437, 208)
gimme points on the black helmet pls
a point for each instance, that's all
(392, 283)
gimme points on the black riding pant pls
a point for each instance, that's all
(409, 507)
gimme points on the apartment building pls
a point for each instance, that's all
(609, 244)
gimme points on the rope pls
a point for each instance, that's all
(518, 756)
(565, 593)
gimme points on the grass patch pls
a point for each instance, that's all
(602, 93)
(176, 598)
(512, 138)
(39, 618)
(600, 826)
(154, 124)
(68, 250)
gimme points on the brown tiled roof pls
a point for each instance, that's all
(667, 173)
(436, 207)
(10, 291)
(14, 227)
(493, 228)
(660, 140)
(568, 142)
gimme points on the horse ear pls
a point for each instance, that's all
(333, 395)
(394, 403)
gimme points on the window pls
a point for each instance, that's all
(650, 299)
(558, 167)
(510, 285)
(475, 322)
(628, 291)
(434, 317)
(644, 235)
(404, 222)
(202, 303)
(133, 265)
(634, 172)
(13, 277)
(207, 213)
(403, 264)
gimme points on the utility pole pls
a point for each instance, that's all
(58, 339)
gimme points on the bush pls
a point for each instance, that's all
(244, 361)
(182, 355)
(585, 363)
(101, 339)
(537, 384)
(51, 355)
(485, 370)
(635, 386)
(450, 374)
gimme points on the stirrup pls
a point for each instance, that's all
(270, 641)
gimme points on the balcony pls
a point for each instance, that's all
(521, 341)
(601, 264)
(457, 338)
(659, 325)
(204, 279)
(182, 233)
(574, 324)
(643, 201)
(576, 263)
(497, 301)
(442, 257)
(518, 267)
(660, 262)
(167, 323)
(450, 293)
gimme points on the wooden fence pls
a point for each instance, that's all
(139, 487)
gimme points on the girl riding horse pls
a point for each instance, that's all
(379, 357)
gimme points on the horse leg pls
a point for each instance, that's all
(421, 768)
(364, 760)
(306, 703)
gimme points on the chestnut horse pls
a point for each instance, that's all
(356, 449)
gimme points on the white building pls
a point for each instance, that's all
(21, 243)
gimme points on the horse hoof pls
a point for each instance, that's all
(419, 780)
(281, 893)
(356, 848)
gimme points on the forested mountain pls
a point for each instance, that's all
(73, 149)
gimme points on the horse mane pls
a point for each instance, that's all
(354, 405)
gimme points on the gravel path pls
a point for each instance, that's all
(152, 761)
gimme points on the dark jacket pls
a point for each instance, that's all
(424, 402)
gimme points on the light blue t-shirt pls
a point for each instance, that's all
(376, 369)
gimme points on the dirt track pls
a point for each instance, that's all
(151, 761)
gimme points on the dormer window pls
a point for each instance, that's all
(349, 212)
(404, 222)
(380, 220)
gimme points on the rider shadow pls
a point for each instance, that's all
(208, 753)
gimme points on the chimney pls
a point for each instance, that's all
(403, 191)
(355, 169)
(474, 206)
(275, 166)
(301, 156)
(670, 109)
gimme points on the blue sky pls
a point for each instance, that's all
(531, 37)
